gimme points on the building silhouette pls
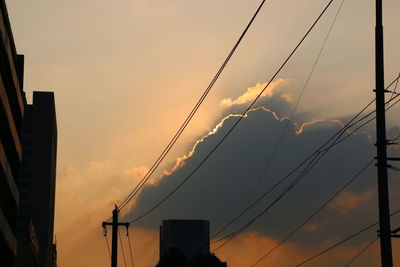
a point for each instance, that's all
(191, 237)
(11, 115)
(37, 181)
(28, 243)
(28, 147)
(54, 256)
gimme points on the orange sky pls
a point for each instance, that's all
(126, 73)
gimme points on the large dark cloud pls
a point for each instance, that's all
(230, 179)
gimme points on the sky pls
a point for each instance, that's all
(126, 74)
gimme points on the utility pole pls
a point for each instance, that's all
(114, 244)
(381, 144)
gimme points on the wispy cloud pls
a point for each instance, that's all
(348, 201)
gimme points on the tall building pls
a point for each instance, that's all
(38, 181)
(189, 236)
(28, 153)
(11, 115)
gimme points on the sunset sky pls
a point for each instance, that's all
(126, 74)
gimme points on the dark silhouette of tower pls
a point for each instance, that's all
(38, 175)
(191, 237)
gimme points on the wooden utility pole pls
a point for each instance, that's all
(381, 144)
(114, 245)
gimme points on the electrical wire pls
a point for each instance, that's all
(317, 211)
(239, 120)
(192, 113)
(308, 168)
(130, 248)
(305, 86)
(310, 165)
(347, 239)
(395, 88)
(361, 252)
(351, 180)
(122, 247)
(108, 246)
(371, 119)
(342, 241)
(312, 157)
(395, 81)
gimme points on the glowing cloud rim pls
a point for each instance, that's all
(180, 162)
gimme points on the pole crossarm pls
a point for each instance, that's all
(393, 159)
(386, 234)
(104, 224)
(395, 231)
(114, 224)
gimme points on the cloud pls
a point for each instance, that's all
(232, 178)
(94, 185)
(298, 129)
(226, 183)
(135, 172)
(253, 92)
(315, 226)
(288, 97)
(347, 201)
(247, 248)
(86, 196)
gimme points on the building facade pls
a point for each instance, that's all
(189, 236)
(11, 115)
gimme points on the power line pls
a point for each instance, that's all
(361, 251)
(312, 160)
(276, 148)
(317, 211)
(395, 81)
(312, 157)
(336, 142)
(240, 118)
(342, 241)
(122, 247)
(393, 140)
(395, 87)
(373, 118)
(108, 246)
(351, 180)
(191, 114)
(372, 112)
(310, 166)
(130, 248)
